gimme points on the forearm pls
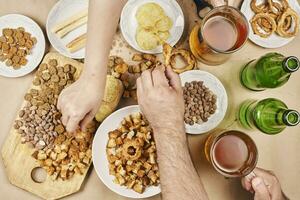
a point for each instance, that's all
(102, 24)
(178, 177)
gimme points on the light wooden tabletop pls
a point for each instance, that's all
(278, 153)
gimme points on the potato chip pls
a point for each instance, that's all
(164, 24)
(163, 35)
(146, 40)
(148, 14)
(153, 26)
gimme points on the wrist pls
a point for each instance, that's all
(170, 133)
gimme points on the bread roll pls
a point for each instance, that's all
(112, 95)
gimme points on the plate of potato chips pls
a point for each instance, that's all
(147, 24)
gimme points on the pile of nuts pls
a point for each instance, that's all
(62, 154)
(200, 102)
(39, 121)
(129, 73)
(131, 153)
(15, 45)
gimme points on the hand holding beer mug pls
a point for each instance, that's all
(223, 31)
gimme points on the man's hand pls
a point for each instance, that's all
(160, 97)
(79, 103)
(265, 185)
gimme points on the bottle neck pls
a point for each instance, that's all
(289, 117)
(291, 64)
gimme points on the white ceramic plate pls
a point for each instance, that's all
(99, 154)
(37, 53)
(129, 24)
(218, 89)
(61, 11)
(274, 41)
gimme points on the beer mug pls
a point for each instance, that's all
(232, 153)
(223, 31)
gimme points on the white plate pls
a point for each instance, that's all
(99, 154)
(274, 41)
(218, 89)
(129, 24)
(61, 11)
(37, 53)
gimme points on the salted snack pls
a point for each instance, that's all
(60, 153)
(71, 23)
(77, 44)
(68, 25)
(274, 17)
(170, 53)
(15, 45)
(112, 95)
(153, 26)
(200, 102)
(131, 154)
(129, 73)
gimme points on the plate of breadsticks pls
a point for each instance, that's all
(67, 26)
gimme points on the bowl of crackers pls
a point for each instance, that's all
(124, 154)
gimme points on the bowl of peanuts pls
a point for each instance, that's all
(205, 100)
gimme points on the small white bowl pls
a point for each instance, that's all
(218, 89)
(59, 12)
(128, 22)
(100, 161)
(34, 59)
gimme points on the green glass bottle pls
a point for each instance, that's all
(270, 116)
(270, 71)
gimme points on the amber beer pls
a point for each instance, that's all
(223, 31)
(232, 153)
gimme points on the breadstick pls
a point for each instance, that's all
(71, 27)
(77, 43)
(70, 20)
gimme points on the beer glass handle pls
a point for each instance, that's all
(204, 7)
(250, 176)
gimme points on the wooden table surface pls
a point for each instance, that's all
(278, 153)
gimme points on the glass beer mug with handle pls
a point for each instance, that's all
(223, 31)
(232, 153)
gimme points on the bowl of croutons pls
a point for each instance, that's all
(124, 154)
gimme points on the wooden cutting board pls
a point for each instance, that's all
(19, 163)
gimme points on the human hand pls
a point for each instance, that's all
(80, 102)
(265, 185)
(160, 97)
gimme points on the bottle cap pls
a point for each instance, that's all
(291, 117)
(291, 64)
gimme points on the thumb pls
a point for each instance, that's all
(261, 190)
(173, 78)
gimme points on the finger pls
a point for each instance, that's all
(261, 190)
(246, 184)
(64, 119)
(146, 80)
(159, 77)
(73, 124)
(87, 119)
(173, 78)
(59, 102)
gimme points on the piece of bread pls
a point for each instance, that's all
(70, 20)
(77, 43)
(112, 95)
(63, 32)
